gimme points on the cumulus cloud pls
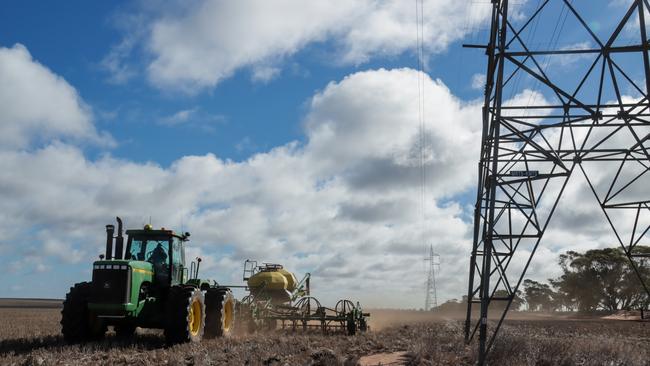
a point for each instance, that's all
(38, 105)
(195, 45)
(343, 205)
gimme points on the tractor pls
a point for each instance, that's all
(147, 284)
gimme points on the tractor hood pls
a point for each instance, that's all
(141, 267)
(116, 286)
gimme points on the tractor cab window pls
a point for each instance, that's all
(154, 251)
(157, 252)
(178, 261)
(150, 250)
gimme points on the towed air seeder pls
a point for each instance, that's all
(276, 298)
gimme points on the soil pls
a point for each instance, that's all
(31, 336)
(385, 359)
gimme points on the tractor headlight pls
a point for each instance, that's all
(96, 266)
(124, 266)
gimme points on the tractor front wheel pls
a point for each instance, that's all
(78, 324)
(185, 315)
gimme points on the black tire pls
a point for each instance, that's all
(351, 325)
(78, 324)
(220, 313)
(363, 325)
(183, 324)
(125, 331)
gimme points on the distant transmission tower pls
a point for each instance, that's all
(431, 301)
(574, 104)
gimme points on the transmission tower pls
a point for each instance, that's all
(431, 300)
(543, 125)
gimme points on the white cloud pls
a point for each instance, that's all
(119, 71)
(195, 45)
(38, 105)
(193, 118)
(561, 62)
(264, 74)
(343, 206)
(179, 117)
(478, 81)
(245, 144)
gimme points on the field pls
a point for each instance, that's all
(30, 336)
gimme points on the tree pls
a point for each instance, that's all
(539, 296)
(601, 279)
(517, 301)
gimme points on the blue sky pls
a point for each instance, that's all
(234, 120)
(283, 131)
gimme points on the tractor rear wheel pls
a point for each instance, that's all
(185, 315)
(78, 324)
(220, 313)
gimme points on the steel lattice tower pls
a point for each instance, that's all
(431, 300)
(593, 124)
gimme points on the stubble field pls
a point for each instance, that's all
(31, 336)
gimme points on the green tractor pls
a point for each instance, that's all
(148, 285)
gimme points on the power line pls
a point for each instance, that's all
(419, 17)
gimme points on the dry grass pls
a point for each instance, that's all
(31, 337)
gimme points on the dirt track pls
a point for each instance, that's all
(31, 337)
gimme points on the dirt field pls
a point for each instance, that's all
(30, 336)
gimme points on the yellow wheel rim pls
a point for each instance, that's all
(228, 312)
(195, 317)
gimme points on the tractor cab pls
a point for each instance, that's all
(163, 249)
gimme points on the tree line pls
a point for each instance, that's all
(595, 280)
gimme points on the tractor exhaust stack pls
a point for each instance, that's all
(110, 229)
(119, 241)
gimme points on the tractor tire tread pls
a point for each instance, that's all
(177, 328)
(215, 300)
(75, 316)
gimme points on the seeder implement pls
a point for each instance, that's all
(276, 299)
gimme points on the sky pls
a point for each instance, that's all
(280, 131)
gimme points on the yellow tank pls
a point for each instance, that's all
(291, 279)
(268, 281)
(274, 282)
